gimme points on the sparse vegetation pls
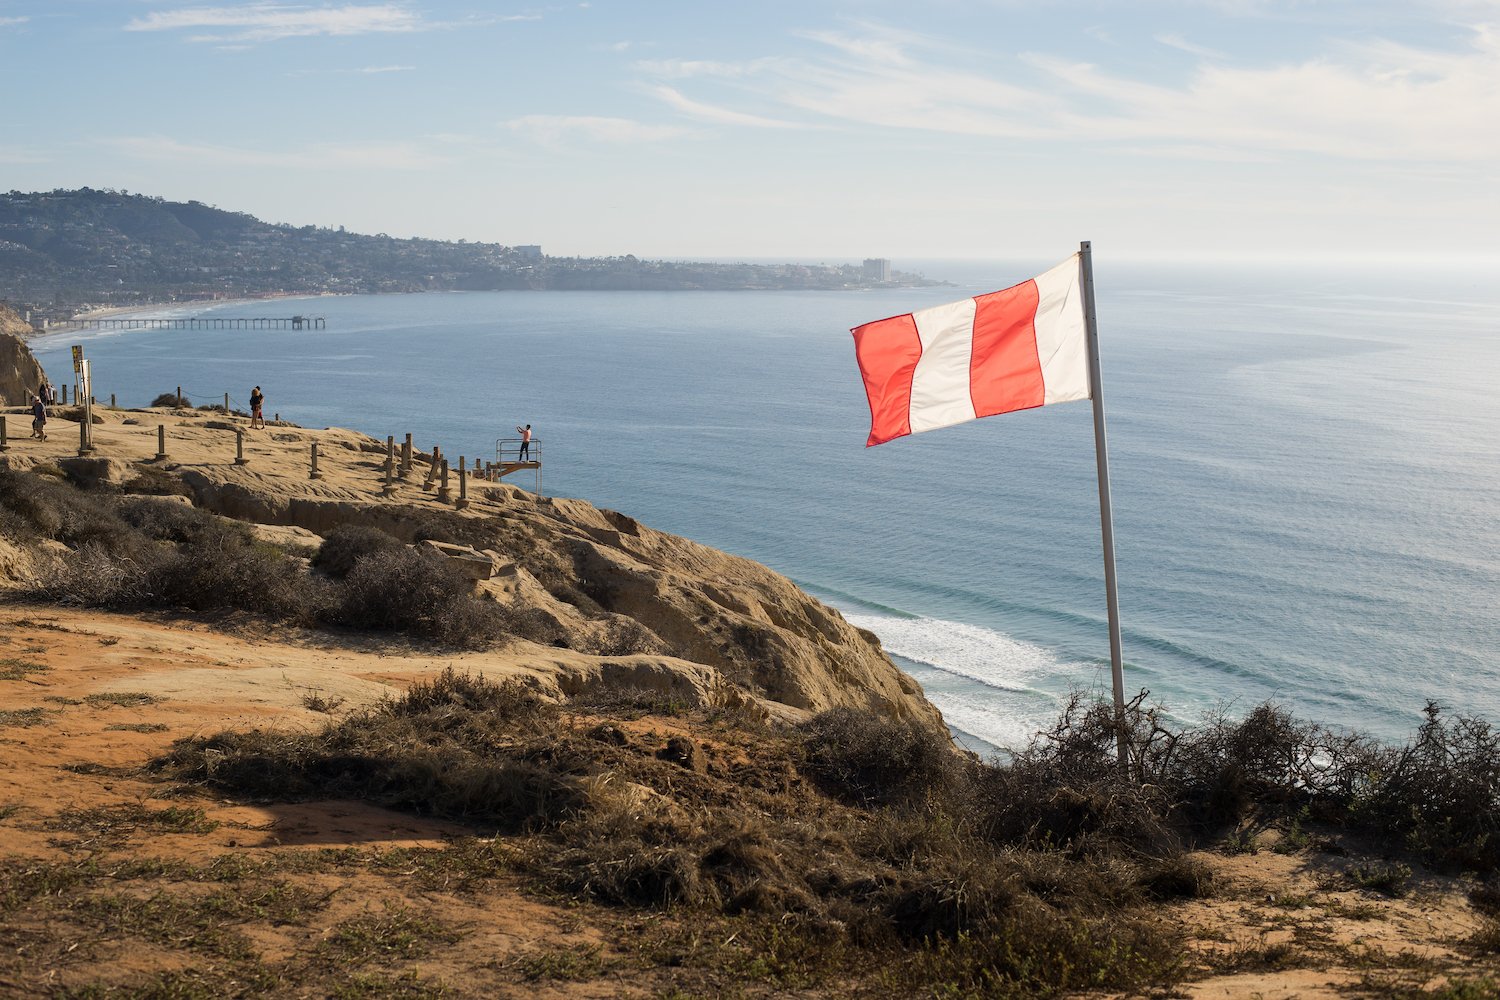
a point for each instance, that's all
(23, 718)
(13, 669)
(123, 699)
(146, 552)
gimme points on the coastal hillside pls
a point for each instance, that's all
(20, 373)
(272, 726)
(60, 250)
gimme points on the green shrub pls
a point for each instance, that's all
(171, 399)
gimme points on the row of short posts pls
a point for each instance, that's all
(437, 470)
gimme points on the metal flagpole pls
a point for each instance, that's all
(1106, 518)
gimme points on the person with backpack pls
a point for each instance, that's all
(38, 418)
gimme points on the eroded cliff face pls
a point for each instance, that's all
(600, 582)
(598, 598)
(20, 373)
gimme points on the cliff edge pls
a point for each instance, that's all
(591, 597)
(20, 372)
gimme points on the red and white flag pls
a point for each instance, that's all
(1023, 347)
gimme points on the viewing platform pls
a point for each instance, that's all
(192, 323)
(508, 459)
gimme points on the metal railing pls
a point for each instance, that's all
(508, 451)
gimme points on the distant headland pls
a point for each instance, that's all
(63, 252)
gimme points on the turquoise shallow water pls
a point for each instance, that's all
(1306, 471)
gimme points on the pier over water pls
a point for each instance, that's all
(193, 323)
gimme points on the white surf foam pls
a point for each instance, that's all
(980, 654)
(983, 681)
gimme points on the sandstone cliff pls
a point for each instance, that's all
(605, 600)
(19, 371)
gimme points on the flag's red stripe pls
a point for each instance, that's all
(888, 351)
(1005, 373)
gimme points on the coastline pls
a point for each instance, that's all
(107, 312)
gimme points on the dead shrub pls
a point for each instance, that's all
(1440, 793)
(56, 510)
(172, 521)
(404, 590)
(449, 750)
(348, 544)
(219, 572)
(868, 759)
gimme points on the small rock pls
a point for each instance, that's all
(683, 751)
(606, 733)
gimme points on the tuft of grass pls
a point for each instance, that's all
(136, 727)
(1259, 957)
(23, 718)
(1388, 878)
(13, 669)
(124, 699)
(398, 933)
(577, 965)
(314, 701)
(866, 759)
(119, 821)
(1486, 939)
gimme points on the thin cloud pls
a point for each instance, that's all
(270, 21)
(376, 154)
(722, 116)
(682, 69)
(1370, 101)
(554, 129)
(7, 22)
(354, 71)
(1174, 41)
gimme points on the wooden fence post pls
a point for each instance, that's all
(313, 472)
(239, 447)
(463, 485)
(161, 442)
(406, 457)
(444, 493)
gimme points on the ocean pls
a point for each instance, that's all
(1305, 467)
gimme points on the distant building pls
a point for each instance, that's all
(530, 252)
(877, 269)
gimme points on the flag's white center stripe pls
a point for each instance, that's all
(940, 384)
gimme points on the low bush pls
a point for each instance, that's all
(1439, 794)
(349, 543)
(406, 590)
(446, 749)
(173, 521)
(171, 399)
(868, 759)
(42, 506)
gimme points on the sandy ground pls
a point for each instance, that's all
(1277, 927)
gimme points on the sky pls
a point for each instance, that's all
(819, 129)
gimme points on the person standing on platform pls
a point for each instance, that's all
(525, 433)
(257, 407)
